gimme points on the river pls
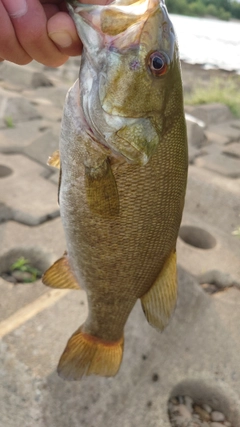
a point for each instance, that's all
(211, 42)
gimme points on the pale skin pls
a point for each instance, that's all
(38, 29)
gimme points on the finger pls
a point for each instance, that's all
(50, 10)
(30, 26)
(100, 2)
(10, 48)
(62, 31)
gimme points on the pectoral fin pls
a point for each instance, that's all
(59, 275)
(101, 190)
(159, 302)
(54, 160)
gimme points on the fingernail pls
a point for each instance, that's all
(62, 39)
(16, 9)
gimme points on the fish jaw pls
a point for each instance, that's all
(120, 97)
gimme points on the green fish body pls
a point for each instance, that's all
(123, 157)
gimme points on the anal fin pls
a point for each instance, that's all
(88, 355)
(159, 302)
(59, 275)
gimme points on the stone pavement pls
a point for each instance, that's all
(198, 353)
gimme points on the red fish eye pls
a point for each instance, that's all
(158, 63)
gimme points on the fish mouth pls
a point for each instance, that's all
(111, 21)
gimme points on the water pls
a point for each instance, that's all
(208, 41)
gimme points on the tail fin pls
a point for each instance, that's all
(89, 355)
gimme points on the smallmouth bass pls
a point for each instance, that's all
(123, 170)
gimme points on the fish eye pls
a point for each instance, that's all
(158, 63)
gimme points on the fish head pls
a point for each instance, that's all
(129, 75)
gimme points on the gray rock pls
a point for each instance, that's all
(22, 276)
(227, 130)
(217, 416)
(204, 415)
(216, 424)
(233, 149)
(189, 403)
(210, 113)
(207, 408)
(220, 163)
(216, 138)
(184, 412)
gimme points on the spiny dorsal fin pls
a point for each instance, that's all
(59, 275)
(54, 159)
(159, 302)
(88, 355)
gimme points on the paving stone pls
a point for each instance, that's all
(14, 108)
(220, 163)
(54, 177)
(5, 211)
(23, 77)
(41, 245)
(227, 130)
(14, 140)
(20, 394)
(233, 149)
(54, 95)
(36, 321)
(123, 400)
(43, 146)
(212, 206)
(49, 111)
(235, 123)
(195, 131)
(216, 138)
(210, 113)
(193, 153)
(40, 80)
(31, 198)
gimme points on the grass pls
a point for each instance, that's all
(22, 264)
(223, 90)
(236, 232)
(9, 122)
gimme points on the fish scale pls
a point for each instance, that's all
(121, 191)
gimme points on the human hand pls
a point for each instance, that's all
(38, 29)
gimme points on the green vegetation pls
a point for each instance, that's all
(9, 122)
(219, 89)
(236, 232)
(22, 264)
(222, 9)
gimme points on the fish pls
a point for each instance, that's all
(123, 171)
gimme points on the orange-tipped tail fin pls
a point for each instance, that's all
(89, 355)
